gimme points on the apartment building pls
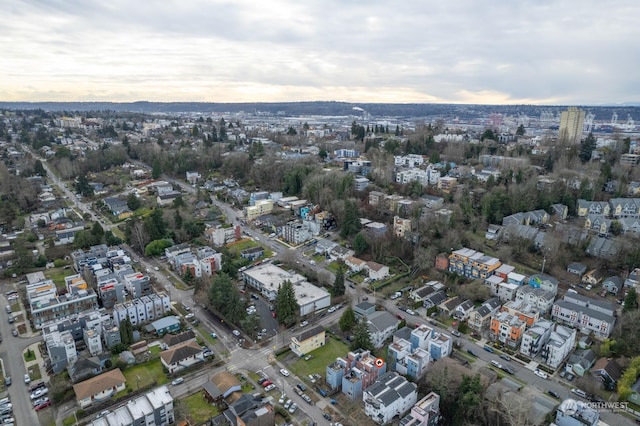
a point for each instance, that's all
(261, 207)
(586, 314)
(153, 408)
(143, 310)
(307, 341)
(507, 329)
(539, 299)
(407, 361)
(354, 373)
(391, 395)
(561, 342)
(472, 264)
(61, 348)
(44, 310)
(401, 226)
(523, 310)
(426, 412)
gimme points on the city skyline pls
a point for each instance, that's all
(524, 52)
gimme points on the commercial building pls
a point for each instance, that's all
(267, 279)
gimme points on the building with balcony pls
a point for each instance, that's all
(561, 342)
(507, 329)
(426, 412)
(354, 373)
(472, 264)
(391, 395)
(586, 314)
(539, 299)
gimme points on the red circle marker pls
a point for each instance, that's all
(379, 362)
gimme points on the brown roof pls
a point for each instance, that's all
(180, 352)
(99, 383)
(175, 339)
(224, 381)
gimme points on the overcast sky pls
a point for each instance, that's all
(461, 51)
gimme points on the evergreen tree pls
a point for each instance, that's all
(177, 219)
(39, 168)
(126, 332)
(156, 169)
(586, 148)
(347, 320)
(286, 304)
(338, 285)
(361, 337)
(520, 131)
(630, 300)
(133, 202)
(360, 244)
(351, 223)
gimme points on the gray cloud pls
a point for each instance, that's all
(456, 51)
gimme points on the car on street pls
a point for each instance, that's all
(304, 323)
(331, 309)
(507, 370)
(472, 353)
(27, 379)
(505, 357)
(456, 333)
(293, 408)
(410, 312)
(553, 393)
(213, 335)
(284, 372)
(496, 363)
(14, 332)
(236, 333)
(326, 416)
(488, 349)
(541, 374)
(270, 387)
(287, 404)
(189, 316)
(177, 381)
(7, 381)
(301, 386)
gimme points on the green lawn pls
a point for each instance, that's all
(57, 275)
(69, 421)
(321, 358)
(238, 246)
(198, 409)
(145, 374)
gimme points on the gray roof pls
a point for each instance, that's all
(587, 311)
(577, 266)
(382, 320)
(615, 280)
(403, 333)
(592, 302)
(364, 306)
(309, 333)
(437, 297)
(483, 311)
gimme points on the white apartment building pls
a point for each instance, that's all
(143, 310)
(562, 341)
(411, 175)
(391, 395)
(541, 299)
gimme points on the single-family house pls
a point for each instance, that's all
(480, 317)
(182, 356)
(463, 310)
(355, 264)
(434, 299)
(307, 341)
(577, 268)
(613, 284)
(580, 361)
(99, 388)
(377, 271)
(364, 309)
(382, 325)
(608, 371)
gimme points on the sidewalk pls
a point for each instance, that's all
(37, 364)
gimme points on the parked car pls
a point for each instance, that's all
(456, 333)
(570, 377)
(282, 398)
(43, 406)
(505, 357)
(496, 363)
(410, 312)
(304, 323)
(322, 392)
(301, 386)
(262, 380)
(287, 404)
(35, 386)
(236, 333)
(293, 408)
(270, 387)
(213, 335)
(488, 348)
(267, 383)
(27, 379)
(541, 374)
(507, 370)
(284, 372)
(553, 393)
(177, 381)
(472, 353)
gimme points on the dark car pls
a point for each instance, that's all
(508, 370)
(326, 416)
(553, 394)
(570, 377)
(301, 387)
(470, 352)
(262, 380)
(488, 349)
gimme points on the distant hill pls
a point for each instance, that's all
(324, 108)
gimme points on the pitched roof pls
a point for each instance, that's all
(382, 320)
(224, 381)
(310, 332)
(99, 383)
(608, 365)
(175, 339)
(180, 352)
